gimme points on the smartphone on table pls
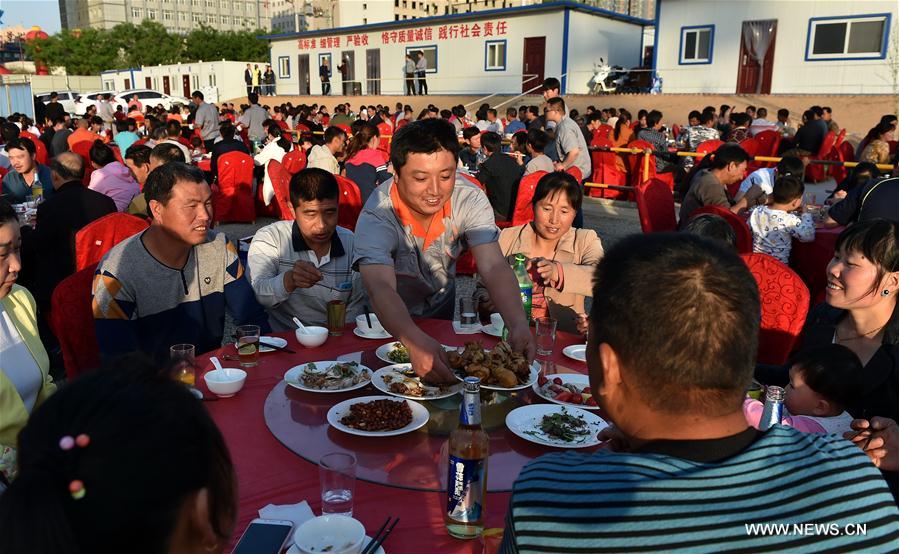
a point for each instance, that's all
(264, 536)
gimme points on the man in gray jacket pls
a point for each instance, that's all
(253, 117)
(297, 267)
(207, 119)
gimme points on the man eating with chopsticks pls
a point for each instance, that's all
(410, 234)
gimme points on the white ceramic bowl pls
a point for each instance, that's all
(314, 336)
(375, 328)
(344, 535)
(225, 382)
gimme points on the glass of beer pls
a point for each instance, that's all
(182, 356)
(248, 345)
(336, 317)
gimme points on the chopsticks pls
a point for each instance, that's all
(380, 537)
(367, 316)
(269, 345)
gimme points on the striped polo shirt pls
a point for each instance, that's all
(761, 498)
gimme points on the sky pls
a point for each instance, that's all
(43, 13)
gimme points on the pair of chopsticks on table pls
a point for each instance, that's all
(380, 536)
(270, 345)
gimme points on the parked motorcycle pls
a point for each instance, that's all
(606, 78)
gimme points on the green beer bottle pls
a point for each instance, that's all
(525, 286)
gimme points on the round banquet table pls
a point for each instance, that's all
(810, 259)
(396, 476)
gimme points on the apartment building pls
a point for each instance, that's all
(179, 16)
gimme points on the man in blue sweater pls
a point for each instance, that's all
(172, 283)
(671, 350)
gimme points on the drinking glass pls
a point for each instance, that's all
(546, 335)
(337, 474)
(468, 312)
(183, 356)
(248, 345)
(336, 317)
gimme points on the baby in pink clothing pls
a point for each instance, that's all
(823, 382)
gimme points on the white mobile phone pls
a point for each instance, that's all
(264, 536)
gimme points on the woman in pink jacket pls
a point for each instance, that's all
(111, 177)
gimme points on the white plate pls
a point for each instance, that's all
(575, 379)
(378, 381)
(294, 549)
(420, 417)
(535, 371)
(266, 343)
(526, 419)
(293, 376)
(489, 329)
(576, 352)
(385, 349)
(374, 336)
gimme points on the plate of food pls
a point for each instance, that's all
(378, 416)
(559, 426)
(397, 353)
(330, 376)
(576, 352)
(567, 389)
(400, 380)
(499, 369)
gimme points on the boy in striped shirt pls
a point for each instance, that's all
(671, 351)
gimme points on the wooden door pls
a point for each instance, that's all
(750, 72)
(534, 61)
(185, 85)
(373, 70)
(127, 84)
(303, 74)
(148, 81)
(165, 85)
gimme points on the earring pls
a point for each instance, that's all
(885, 292)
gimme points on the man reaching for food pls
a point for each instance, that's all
(410, 234)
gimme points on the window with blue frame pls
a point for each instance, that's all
(696, 44)
(495, 55)
(845, 38)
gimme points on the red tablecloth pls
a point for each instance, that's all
(810, 259)
(268, 472)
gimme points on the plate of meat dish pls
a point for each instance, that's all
(400, 380)
(378, 416)
(499, 369)
(330, 376)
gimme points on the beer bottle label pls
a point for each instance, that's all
(465, 498)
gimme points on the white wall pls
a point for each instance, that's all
(591, 38)
(350, 13)
(791, 74)
(460, 61)
(225, 76)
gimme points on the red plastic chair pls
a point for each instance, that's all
(816, 173)
(3, 172)
(40, 152)
(737, 223)
(71, 319)
(233, 194)
(272, 209)
(655, 206)
(844, 153)
(98, 237)
(708, 146)
(785, 303)
(754, 148)
(606, 171)
(350, 205)
(769, 142)
(576, 173)
(524, 209)
(117, 152)
(386, 133)
(636, 165)
(604, 132)
(281, 182)
(294, 161)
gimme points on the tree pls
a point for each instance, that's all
(206, 43)
(146, 44)
(81, 52)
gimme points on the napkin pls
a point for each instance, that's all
(468, 330)
(297, 513)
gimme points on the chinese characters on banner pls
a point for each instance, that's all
(402, 36)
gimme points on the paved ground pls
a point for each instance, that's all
(611, 220)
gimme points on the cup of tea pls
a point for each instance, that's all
(248, 345)
(336, 317)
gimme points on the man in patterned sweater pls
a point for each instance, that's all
(671, 351)
(172, 283)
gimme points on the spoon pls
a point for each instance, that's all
(215, 362)
(300, 326)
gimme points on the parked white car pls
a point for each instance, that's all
(149, 97)
(66, 98)
(92, 98)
